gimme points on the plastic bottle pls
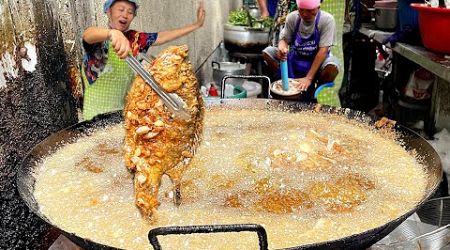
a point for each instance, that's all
(204, 91)
(221, 55)
(213, 91)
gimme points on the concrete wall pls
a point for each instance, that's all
(170, 14)
(35, 101)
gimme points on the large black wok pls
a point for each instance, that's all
(26, 180)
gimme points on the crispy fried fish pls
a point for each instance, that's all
(157, 142)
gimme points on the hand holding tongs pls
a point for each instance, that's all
(175, 104)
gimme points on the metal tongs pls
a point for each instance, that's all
(172, 101)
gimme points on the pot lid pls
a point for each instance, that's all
(386, 4)
(229, 66)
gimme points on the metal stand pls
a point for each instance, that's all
(255, 60)
(263, 78)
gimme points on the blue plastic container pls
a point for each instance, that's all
(407, 16)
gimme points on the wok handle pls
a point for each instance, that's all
(262, 235)
(222, 93)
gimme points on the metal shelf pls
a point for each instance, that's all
(438, 64)
(377, 35)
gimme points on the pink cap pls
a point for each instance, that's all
(308, 4)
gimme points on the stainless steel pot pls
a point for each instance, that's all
(254, 12)
(221, 69)
(245, 39)
(386, 18)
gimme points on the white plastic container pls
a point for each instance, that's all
(253, 89)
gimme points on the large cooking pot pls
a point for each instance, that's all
(245, 39)
(221, 69)
(386, 18)
(26, 178)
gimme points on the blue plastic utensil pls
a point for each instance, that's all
(323, 86)
(284, 75)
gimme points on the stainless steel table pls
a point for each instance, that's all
(438, 64)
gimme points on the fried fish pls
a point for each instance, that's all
(158, 143)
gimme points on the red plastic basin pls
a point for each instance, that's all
(434, 24)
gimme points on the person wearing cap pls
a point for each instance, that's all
(305, 42)
(106, 75)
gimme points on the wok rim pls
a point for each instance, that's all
(24, 173)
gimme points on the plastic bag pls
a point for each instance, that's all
(420, 84)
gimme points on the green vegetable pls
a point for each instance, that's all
(266, 22)
(241, 17)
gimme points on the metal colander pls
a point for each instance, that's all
(429, 229)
